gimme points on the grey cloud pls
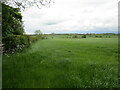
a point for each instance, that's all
(72, 16)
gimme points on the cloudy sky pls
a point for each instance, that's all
(73, 16)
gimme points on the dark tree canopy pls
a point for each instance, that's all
(38, 32)
(12, 21)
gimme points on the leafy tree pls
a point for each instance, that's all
(38, 32)
(12, 21)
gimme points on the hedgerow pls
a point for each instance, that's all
(13, 43)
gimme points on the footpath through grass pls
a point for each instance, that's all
(64, 63)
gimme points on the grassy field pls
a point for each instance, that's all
(64, 63)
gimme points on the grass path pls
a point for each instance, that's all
(63, 63)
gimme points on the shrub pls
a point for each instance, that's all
(13, 43)
(96, 36)
(75, 36)
(84, 36)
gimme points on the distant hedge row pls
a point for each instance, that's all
(13, 43)
(76, 36)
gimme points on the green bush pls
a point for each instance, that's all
(96, 36)
(84, 36)
(13, 43)
(75, 36)
(34, 38)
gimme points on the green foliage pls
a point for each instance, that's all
(33, 38)
(38, 32)
(75, 36)
(84, 36)
(12, 21)
(13, 43)
(96, 36)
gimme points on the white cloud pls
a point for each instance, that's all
(73, 16)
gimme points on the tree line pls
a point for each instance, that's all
(13, 37)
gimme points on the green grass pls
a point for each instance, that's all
(64, 63)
